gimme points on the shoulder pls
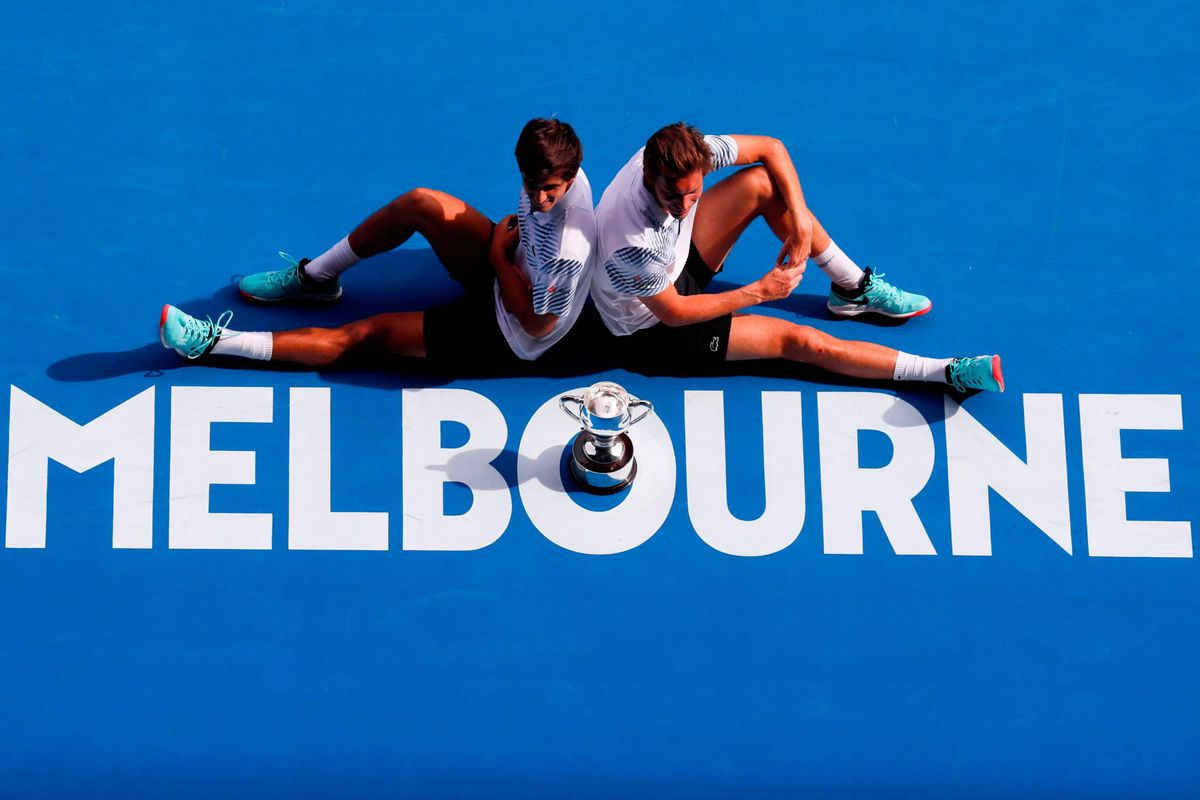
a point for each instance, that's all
(724, 150)
(620, 200)
(628, 175)
(582, 185)
(578, 199)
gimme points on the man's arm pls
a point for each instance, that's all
(515, 289)
(675, 309)
(771, 153)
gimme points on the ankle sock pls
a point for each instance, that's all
(840, 268)
(919, 368)
(332, 262)
(248, 344)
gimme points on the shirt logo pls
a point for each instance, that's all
(715, 344)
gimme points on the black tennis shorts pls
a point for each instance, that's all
(688, 348)
(464, 334)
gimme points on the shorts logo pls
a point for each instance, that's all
(715, 344)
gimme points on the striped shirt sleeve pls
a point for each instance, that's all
(637, 272)
(724, 150)
(564, 250)
(555, 285)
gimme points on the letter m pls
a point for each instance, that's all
(124, 435)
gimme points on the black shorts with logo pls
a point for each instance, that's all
(464, 337)
(464, 334)
(687, 349)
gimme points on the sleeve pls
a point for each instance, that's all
(637, 271)
(556, 282)
(724, 150)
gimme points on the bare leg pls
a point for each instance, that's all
(400, 334)
(458, 233)
(755, 336)
(732, 204)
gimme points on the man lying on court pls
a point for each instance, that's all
(525, 277)
(659, 247)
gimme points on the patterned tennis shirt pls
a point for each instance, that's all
(641, 248)
(555, 253)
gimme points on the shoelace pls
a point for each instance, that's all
(881, 290)
(201, 333)
(284, 277)
(963, 377)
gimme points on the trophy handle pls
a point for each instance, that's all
(633, 402)
(571, 398)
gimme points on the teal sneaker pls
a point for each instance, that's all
(877, 297)
(977, 372)
(289, 284)
(188, 336)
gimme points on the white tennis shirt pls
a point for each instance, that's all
(641, 249)
(555, 253)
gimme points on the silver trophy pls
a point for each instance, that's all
(602, 459)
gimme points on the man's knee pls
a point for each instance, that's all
(758, 181)
(802, 343)
(419, 204)
(354, 336)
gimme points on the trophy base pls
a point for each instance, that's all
(602, 476)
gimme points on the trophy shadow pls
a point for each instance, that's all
(550, 469)
(511, 464)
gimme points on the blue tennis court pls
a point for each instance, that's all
(231, 580)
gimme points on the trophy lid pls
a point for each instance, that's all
(606, 400)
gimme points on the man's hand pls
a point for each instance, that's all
(505, 237)
(515, 286)
(779, 283)
(798, 245)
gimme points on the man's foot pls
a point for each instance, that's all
(877, 296)
(977, 372)
(289, 284)
(188, 336)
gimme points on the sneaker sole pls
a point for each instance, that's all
(162, 323)
(997, 375)
(307, 300)
(854, 311)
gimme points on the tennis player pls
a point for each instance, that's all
(526, 277)
(659, 247)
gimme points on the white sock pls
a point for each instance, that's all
(257, 344)
(919, 368)
(332, 262)
(840, 268)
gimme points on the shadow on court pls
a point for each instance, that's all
(810, 307)
(410, 280)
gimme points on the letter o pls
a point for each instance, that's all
(560, 519)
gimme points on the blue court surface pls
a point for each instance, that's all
(238, 581)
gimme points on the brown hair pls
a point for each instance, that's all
(546, 147)
(676, 151)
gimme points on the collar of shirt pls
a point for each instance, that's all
(650, 207)
(524, 207)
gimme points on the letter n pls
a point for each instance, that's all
(978, 464)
